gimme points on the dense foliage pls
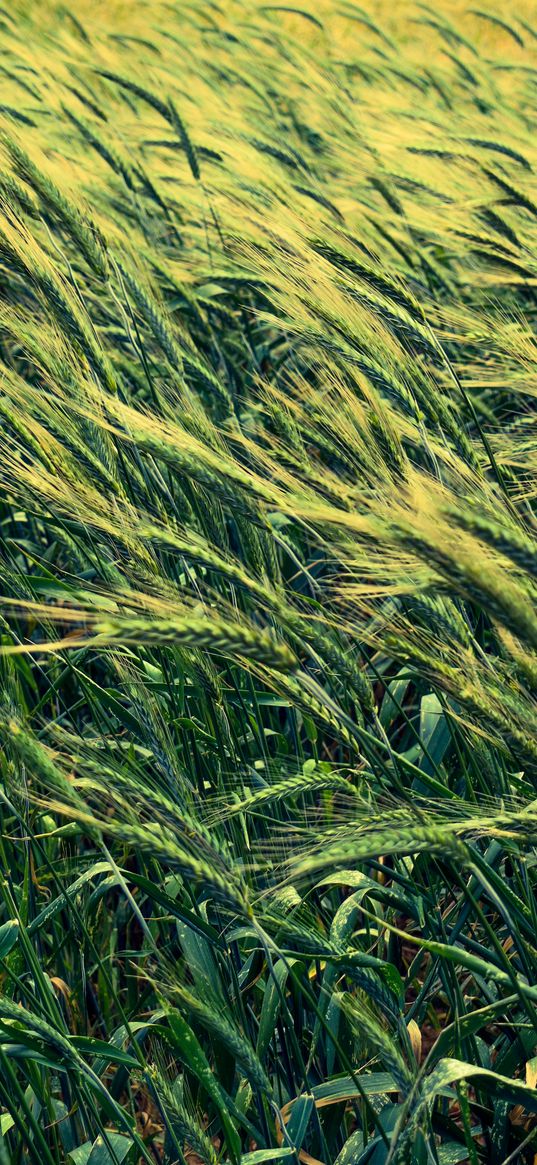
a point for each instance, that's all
(268, 550)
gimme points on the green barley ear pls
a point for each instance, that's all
(184, 139)
(60, 208)
(39, 761)
(381, 1042)
(314, 779)
(137, 90)
(185, 1129)
(515, 543)
(207, 1014)
(108, 151)
(205, 634)
(29, 260)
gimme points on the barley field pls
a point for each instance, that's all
(268, 559)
